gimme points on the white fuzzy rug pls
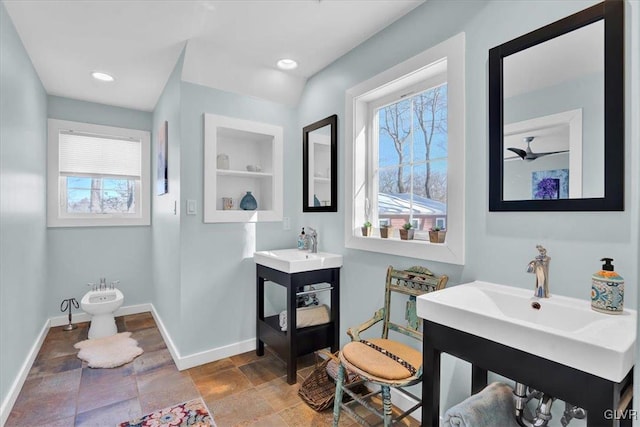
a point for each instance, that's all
(109, 352)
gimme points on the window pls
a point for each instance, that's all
(410, 139)
(98, 175)
(405, 140)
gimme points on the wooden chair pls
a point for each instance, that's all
(383, 361)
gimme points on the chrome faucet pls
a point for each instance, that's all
(312, 235)
(540, 267)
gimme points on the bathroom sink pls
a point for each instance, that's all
(295, 260)
(102, 296)
(561, 329)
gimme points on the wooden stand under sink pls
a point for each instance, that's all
(296, 342)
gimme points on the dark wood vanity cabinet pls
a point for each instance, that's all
(296, 342)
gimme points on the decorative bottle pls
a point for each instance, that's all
(607, 289)
(248, 202)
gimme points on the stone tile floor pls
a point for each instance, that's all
(243, 390)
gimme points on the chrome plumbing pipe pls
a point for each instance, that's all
(543, 410)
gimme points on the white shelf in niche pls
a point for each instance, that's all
(245, 174)
(245, 143)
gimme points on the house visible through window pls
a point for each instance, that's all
(405, 142)
(411, 136)
(98, 175)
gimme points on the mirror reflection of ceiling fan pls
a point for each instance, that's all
(529, 155)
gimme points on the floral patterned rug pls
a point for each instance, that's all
(192, 413)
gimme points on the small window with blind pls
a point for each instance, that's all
(98, 175)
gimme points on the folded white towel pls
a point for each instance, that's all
(494, 406)
(307, 316)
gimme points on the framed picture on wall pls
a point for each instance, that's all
(162, 180)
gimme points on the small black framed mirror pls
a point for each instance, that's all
(320, 166)
(556, 115)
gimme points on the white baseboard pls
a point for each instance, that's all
(18, 382)
(175, 354)
(214, 354)
(202, 357)
(81, 316)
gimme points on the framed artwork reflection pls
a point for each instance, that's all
(550, 184)
(162, 174)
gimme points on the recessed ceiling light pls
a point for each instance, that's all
(103, 77)
(287, 64)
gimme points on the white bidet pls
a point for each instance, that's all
(101, 305)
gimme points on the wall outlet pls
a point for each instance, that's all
(286, 223)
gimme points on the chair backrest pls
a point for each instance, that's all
(413, 281)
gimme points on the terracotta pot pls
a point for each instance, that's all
(437, 236)
(386, 232)
(406, 234)
(366, 231)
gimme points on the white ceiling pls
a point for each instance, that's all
(231, 45)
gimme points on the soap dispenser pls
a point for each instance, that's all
(302, 240)
(607, 289)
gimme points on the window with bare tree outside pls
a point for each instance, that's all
(405, 143)
(412, 160)
(98, 175)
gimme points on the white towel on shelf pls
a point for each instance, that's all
(307, 316)
(494, 406)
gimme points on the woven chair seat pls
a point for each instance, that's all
(373, 364)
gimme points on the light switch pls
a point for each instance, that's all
(286, 223)
(191, 207)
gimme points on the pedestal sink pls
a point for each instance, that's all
(295, 260)
(559, 328)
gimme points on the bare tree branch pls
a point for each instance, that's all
(396, 127)
(430, 106)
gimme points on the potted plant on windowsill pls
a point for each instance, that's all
(366, 229)
(437, 234)
(386, 231)
(406, 232)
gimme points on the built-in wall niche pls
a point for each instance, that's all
(241, 156)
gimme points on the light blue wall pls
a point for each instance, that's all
(90, 112)
(218, 273)
(77, 256)
(23, 114)
(499, 245)
(166, 209)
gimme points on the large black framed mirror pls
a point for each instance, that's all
(320, 166)
(556, 115)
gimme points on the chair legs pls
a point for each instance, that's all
(386, 405)
(385, 392)
(338, 397)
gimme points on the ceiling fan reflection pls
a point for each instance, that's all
(529, 155)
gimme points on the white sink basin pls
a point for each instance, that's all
(295, 260)
(563, 329)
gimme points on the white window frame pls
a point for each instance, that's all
(360, 101)
(57, 215)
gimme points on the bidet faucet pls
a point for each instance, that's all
(540, 267)
(313, 236)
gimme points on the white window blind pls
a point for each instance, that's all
(89, 155)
